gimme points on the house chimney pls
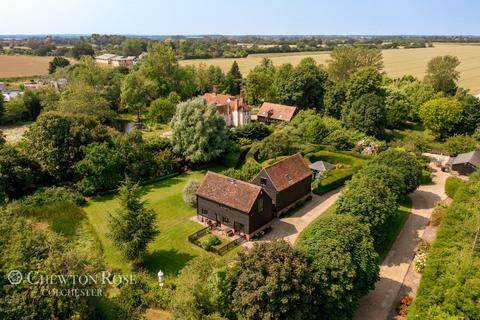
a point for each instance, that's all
(241, 97)
(215, 89)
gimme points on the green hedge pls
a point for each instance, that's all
(337, 177)
(450, 285)
(426, 177)
(452, 185)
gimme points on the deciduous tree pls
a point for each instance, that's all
(274, 283)
(136, 92)
(57, 62)
(198, 131)
(56, 141)
(371, 200)
(442, 75)
(346, 60)
(440, 116)
(344, 263)
(367, 114)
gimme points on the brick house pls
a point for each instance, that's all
(272, 112)
(233, 108)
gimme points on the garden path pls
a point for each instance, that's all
(381, 302)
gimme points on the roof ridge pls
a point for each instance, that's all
(237, 180)
(281, 160)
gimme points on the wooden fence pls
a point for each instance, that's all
(193, 238)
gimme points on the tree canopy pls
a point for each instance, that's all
(198, 131)
(346, 60)
(274, 282)
(441, 115)
(442, 74)
(344, 263)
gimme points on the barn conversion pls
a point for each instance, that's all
(287, 182)
(245, 208)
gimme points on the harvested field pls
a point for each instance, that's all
(398, 62)
(23, 66)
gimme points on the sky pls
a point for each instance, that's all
(247, 17)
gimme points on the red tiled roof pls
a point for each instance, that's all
(279, 111)
(288, 171)
(223, 101)
(231, 192)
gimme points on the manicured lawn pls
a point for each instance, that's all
(170, 251)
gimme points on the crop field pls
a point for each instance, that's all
(23, 66)
(398, 62)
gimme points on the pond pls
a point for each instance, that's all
(126, 126)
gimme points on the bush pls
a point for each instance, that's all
(476, 134)
(344, 263)
(370, 199)
(420, 259)
(232, 155)
(406, 163)
(210, 242)
(189, 192)
(15, 111)
(452, 185)
(50, 195)
(460, 144)
(246, 173)
(438, 212)
(426, 177)
(253, 131)
(343, 139)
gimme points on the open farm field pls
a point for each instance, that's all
(23, 66)
(398, 62)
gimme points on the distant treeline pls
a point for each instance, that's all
(203, 47)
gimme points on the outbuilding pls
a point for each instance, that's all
(466, 163)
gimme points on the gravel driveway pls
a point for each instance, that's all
(381, 302)
(290, 227)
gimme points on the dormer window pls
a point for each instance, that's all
(263, 181)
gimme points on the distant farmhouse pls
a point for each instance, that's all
(233, 108)
(272, 112)
(246, 208)
(465, 163)
(116, 60)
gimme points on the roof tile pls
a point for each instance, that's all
(279, 111)
(288, 171)
(231, 192)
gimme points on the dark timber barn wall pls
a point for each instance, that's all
(287, 196)
(251, 220)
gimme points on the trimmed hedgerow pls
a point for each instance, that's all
(452, 185)
(450, 284)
